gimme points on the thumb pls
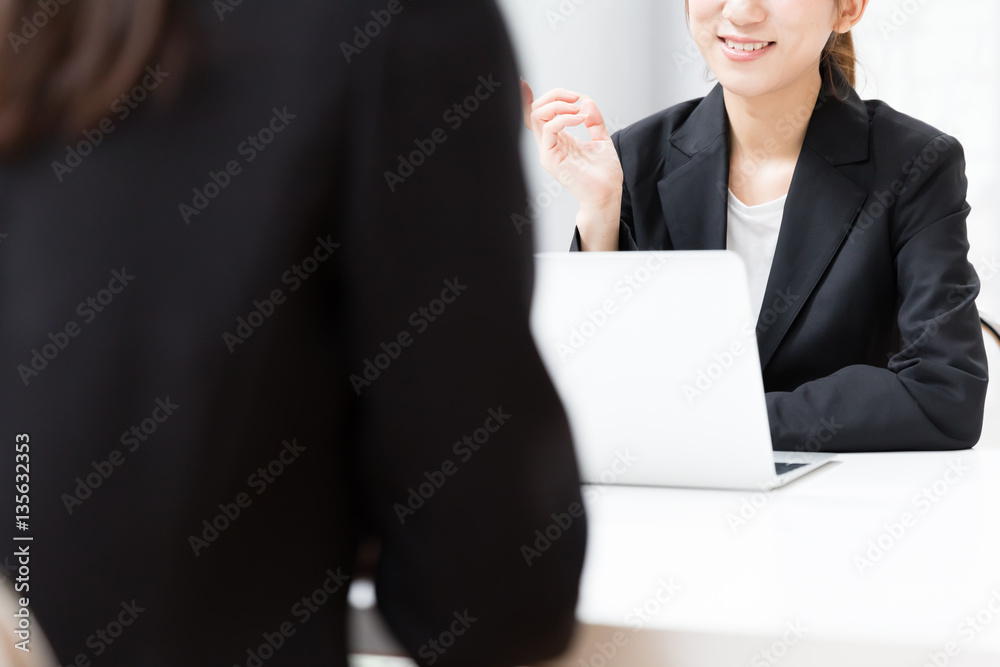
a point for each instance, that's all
(527, 99)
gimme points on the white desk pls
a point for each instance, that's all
(795, 560)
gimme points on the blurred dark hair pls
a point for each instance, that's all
(65, 62)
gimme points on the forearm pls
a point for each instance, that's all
(865, 409)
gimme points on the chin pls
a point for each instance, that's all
(745, 84)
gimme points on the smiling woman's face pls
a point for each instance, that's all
(756, 47)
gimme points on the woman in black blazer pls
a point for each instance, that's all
(869, 336)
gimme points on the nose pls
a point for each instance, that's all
(743, 12)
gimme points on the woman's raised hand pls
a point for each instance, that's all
(590, 170)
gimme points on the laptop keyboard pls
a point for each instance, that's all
(782, 468)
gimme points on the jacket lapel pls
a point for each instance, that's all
(820, 210)
(821, 207)
(694, 194)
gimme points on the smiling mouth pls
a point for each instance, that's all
(745, 46)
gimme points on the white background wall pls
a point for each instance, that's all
(936, 60)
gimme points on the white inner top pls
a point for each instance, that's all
(752, 232)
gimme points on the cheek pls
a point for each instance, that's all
(806, 21)
(802, 26)
(807, 46)
(819, 11)
(705, 11)
(705, 15)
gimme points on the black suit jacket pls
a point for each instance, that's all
(869, 337)
(202, 462)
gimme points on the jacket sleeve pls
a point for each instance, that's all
(931, 396)
(626, 237)
(465, 466)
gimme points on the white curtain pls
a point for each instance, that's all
(931, 59)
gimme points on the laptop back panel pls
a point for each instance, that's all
(655, 359)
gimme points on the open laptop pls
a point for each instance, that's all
(655, 359)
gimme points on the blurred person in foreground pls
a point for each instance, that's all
(260, 298)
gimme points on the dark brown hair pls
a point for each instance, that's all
(64, 64)
(840, 50)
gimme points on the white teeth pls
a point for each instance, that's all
(749, 46)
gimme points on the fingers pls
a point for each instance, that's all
(595, 124)
(551, 129)
(544, 114)
(557, 94)
(558, 109)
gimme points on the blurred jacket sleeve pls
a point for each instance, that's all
(463, 449)
(932, 394)
(626, 237)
